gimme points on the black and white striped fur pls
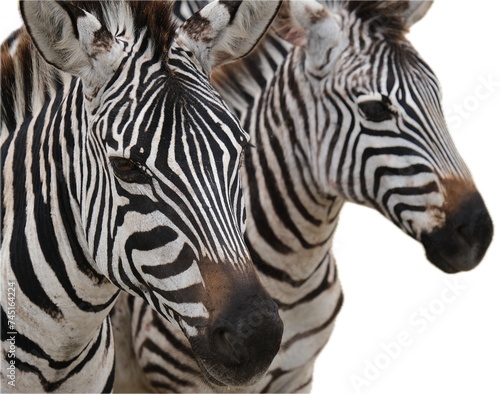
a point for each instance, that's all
(120, 170)
(349, 113)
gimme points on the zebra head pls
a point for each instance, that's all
(378, 136)
(154, 166)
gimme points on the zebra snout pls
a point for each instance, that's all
(244, 341)
(462, 242)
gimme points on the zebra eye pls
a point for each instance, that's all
(128, 171)
(375, 111)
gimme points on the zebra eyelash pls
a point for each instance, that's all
(377, 110)
(136, 173)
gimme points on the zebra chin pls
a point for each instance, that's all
(462, 242)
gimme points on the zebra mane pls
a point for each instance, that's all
(26, 78)
(385, 17)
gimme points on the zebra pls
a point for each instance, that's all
(348, 112)
(120, 171)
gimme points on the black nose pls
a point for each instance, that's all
(462, 242)
(245, 340)
(228, 347)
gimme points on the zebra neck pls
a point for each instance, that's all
(50, 263)
(290, 221)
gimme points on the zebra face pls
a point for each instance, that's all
(380, 132)
(156, 167)
(407, 165)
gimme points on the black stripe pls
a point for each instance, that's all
(410, 170)
(314, 293)
(371, 152)
(151, 368)
(164, 328)
(303, 386)
(47, 236)
(152, 347)
(286, 345)
(108, 387)
(429, 188)
(21, 263)
(277, 274)
(53, 386)
(400, 208)
(291, 193)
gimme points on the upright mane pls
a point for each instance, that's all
(26, 78)
(382, 16)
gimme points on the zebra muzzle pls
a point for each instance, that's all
(462, 242)
(243, 342)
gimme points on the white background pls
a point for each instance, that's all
(385, 275)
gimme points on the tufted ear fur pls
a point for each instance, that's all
(308, 24)
(224, 31)
(72, 40)
(416, 10)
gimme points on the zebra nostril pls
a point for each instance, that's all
(465, 233)
(228, 347)
(242, 341)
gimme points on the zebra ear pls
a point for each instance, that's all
(308, 24)
(224, 31)
(416, 10)
(70, 39)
